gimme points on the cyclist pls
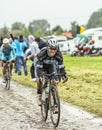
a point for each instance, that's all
(7, 54)
(51, 52)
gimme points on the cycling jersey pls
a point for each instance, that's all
(43, 66)
(7, 53)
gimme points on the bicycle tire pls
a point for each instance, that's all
(7, 86)
(54, 101)
(44, 107)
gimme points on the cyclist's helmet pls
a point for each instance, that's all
(52, 43)
(5, 41)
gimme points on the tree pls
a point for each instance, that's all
(38, 33)
(57, 30)
(25, 31)
(4, 31)
(95, 20)
(17, 26)
(74, 28)
(41, 25)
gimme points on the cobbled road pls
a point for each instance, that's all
(19, 111)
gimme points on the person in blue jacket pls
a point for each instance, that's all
(20, 48)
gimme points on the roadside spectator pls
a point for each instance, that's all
(20, 46)
(1, 42)
(41, 43)
(32, 69)
(34, 51)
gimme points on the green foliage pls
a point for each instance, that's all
(17, 26)
(41, 27)
(73, 29)
(58, 30)
(95, 19)
(84, 86)
(37, 25)
(25, 31)
(4, 31)
(38, 33)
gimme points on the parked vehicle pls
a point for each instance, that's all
(59, 38)
(63, 46)
(91, 49)
(95, 34)
(76, 48)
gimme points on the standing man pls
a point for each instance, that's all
(41, 43)
(20, 47)
(34, 51)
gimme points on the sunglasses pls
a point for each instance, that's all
(52, 48)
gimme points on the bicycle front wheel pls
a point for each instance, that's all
(54, 106)
(8, 83)
(8, 78)
(44, 106)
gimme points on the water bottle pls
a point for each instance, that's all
(47, 91)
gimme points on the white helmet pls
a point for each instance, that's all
(52, 43)
(5, 40)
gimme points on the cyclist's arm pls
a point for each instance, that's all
(39, 69)
(61, 66)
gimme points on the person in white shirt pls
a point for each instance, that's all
(34, 50)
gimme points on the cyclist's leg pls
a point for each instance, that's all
(11, 67)
(10, 59)
(39, 91)
(4, 70)
(39, 84)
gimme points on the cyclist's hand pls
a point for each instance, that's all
(65, 78)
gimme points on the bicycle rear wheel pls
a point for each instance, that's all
(54, 106)
(44, 106)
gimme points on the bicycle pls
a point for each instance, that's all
(8, 75)
(50, 99)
